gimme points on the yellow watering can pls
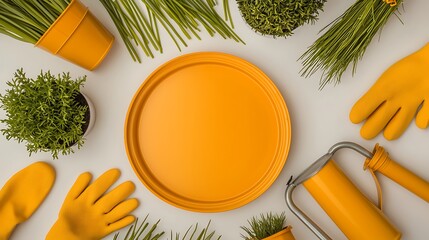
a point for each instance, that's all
(350, 210)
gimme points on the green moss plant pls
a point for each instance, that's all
(264, 226)
(279, 18)
(44, 112)
(28, 20)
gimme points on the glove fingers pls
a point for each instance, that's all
(378, 120)
(113, 227)
(117, 195)
(102, 184)
(365, 106)
(422, 119)
(399, 123)
(79, 186)
(122, 210)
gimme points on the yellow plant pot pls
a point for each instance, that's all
(285, 234)
(78, 37)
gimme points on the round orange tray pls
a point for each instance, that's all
(207, 132)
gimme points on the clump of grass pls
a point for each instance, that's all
(182, 20)
(28, 20)
(203, 234)
(346, 40)
(144, 231)
(147, 231)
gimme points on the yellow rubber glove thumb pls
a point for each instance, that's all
(393, 101)
(89, 213)
(22, 195)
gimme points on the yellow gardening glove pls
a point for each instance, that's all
(89, 213)
(22, 195)
(393, 101)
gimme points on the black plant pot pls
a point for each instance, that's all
(83, 100)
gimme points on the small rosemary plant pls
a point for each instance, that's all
(44, 112)
(264, 226)
(279, 18)
(28, 20)
(346, 39)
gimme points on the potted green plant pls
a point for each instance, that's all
(279, 18)
(62, 27)
(48, 113)
(269, 226)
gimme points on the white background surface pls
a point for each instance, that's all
(319, 120)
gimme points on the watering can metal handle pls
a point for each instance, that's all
(302, 216)
(356, 147)
(311, 171)
(321, 162)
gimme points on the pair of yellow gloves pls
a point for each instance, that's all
(399, 95)
(89, 212)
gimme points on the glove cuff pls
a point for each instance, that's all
(8, 220)
(60, 231)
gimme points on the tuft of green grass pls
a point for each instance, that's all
(28, 20)
(346, 40)
(203, 234)
(147, 231)
(144, 231)
(138, 24)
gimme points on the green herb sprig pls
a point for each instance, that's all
(346, 40)
(264, 226)
(182, 20)
(28, 20)
(44, 112)
(279, 18)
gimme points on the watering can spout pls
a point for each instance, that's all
(382, 163)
